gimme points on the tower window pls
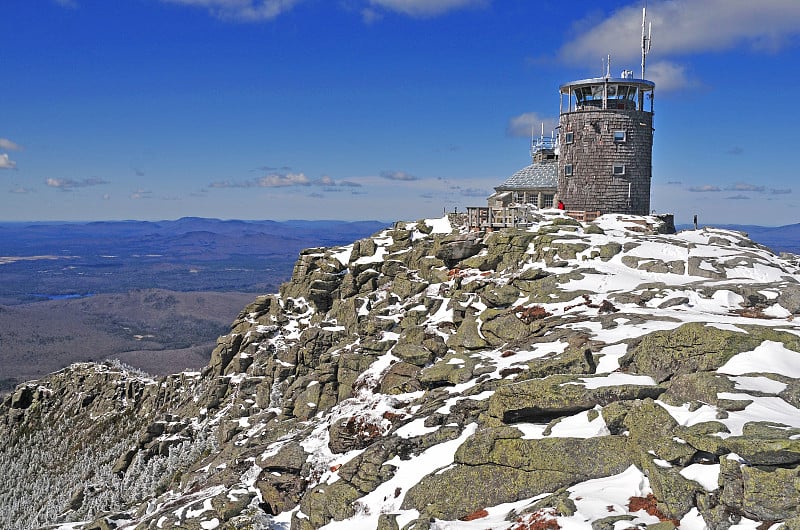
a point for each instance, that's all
(568, 170)
(619, 169)
(620, 137)
(569, 137)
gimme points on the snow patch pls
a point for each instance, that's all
(777, 311)
(575, 426)
(769, 357)
(759, 384)
(439, 226)
(415, 428)
(599, 498)
(762, 409)
(707, 475)
(343, 256)
(615, 379)
(610, 356)
(726, 327)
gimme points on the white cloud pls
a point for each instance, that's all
(349, 184)
(5, 163)
(70, 184)
(373, 10)
(243, 10)
(705, 188)
(421, 8)
(530, 122)
(474, 192)
(325, 180)
(682, 27)
(370, 15)
(398, 175)
(744, 186)
(8, 145)
(141, 194)
(282, 180)
(668, 76)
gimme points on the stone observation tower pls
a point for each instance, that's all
(606, 142)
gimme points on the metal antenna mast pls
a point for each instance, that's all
(646, 38)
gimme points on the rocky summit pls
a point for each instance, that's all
(596, 375)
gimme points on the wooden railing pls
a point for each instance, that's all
(583, 216)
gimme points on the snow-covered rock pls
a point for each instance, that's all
(565, 375)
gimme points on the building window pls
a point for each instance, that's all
(619, 169)
(547, 200)
(620, 137)
(569, 137)
(568, 170)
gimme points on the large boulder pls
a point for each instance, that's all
(765, 444)
(501, 326)
(505, 249)
(467, 336)
(696, 347)
(577, 359)
(497, 466)
(400, 378)
(453, 369)
(457, 248)
(651, 430)
(541, 400)
(762, 493)
(325, 503)
(702, 387)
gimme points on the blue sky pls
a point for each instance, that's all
(376, 109)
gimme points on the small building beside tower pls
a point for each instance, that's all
(531, 188)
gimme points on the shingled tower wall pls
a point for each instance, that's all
(606, 145)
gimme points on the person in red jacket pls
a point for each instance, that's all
(561, 205)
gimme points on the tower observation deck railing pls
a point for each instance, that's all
(544, 143)
(607, 93)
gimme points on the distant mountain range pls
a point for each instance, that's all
(40, 261)
(224, 237)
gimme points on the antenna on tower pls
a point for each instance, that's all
(646, 38)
